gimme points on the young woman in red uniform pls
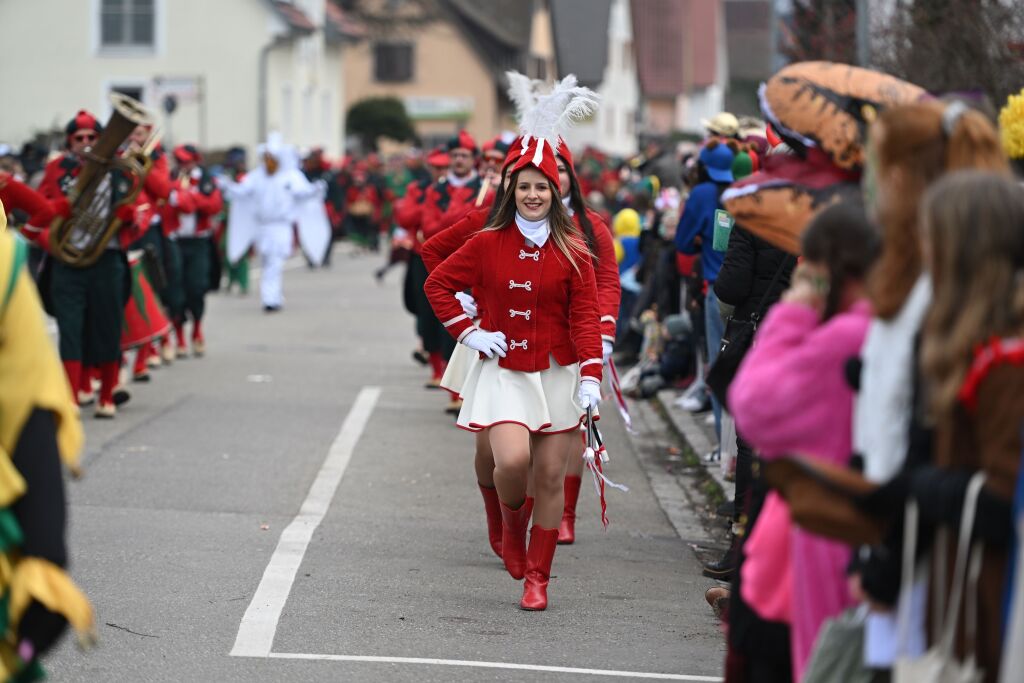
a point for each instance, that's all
(609, 291)
(542, 342)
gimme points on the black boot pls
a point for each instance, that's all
(722, 570)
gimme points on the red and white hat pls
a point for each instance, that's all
(187, 154)
(462, 141)
(546, 118)
(83, 121)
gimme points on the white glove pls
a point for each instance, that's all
(487, 343)
(606, 350)
(468, 303)
(173, 199)
(589, 393)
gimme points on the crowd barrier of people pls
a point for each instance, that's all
(837, 289)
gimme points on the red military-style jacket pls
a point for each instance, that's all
(532, 294)
(156, 190)
(445, 204)
(609, 286)
(16, 195)
(409, 210)
(609, 289)
(365, 193)
(198, 201)
(59, 178)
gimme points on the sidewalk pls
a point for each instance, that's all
(699, 436)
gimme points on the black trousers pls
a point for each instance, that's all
(195, 275)
(89, 306)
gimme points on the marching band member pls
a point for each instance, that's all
(534, 272)
(193, 235)
(408, 216)
(609, 292)
(88, 302)
(446, 201)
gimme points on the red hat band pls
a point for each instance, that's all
(539, 155)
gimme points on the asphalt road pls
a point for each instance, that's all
(176, 529)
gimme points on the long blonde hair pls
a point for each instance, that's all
(564, 233)
(911, 138)
(974, 225)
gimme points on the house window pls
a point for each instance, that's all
(133, 91)
(392, 62)
(128, 23)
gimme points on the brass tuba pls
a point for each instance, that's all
(80, 239)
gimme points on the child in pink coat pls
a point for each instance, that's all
(790, 397)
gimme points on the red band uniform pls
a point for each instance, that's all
(89, 302)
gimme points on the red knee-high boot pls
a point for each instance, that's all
(567, 529)
(73, 369)
(140, 371)
(538, 568)
(198, 341)
(436, 370)
(513, 538)
(492, 506)
(179, 333)
(108, 381)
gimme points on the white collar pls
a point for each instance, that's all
(535, 231)
(456, 181)
(566, 201)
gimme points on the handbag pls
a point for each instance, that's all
(738, 337)
(939, 663)
(838, 655)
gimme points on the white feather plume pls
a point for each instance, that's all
(522, 90)
(554, 113)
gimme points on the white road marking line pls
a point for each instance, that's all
(497, 665)
(259, 625)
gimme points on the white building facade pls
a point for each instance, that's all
(235, 69)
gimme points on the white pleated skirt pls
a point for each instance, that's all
(544, 402)
(459, 366)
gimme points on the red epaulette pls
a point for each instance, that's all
(987, 356)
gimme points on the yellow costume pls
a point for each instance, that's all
(31, 377)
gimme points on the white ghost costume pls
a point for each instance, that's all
(265, 206)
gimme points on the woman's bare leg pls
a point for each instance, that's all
(550, 453)
(510, 444)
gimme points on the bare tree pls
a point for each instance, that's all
(821, 29)
(955, 45)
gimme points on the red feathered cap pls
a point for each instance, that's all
(563, 151)
(83, 121)
(515, 150)
(438, 158)
(187, 154)
(463, 140)
(539, 155)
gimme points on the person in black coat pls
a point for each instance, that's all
(745, 284)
